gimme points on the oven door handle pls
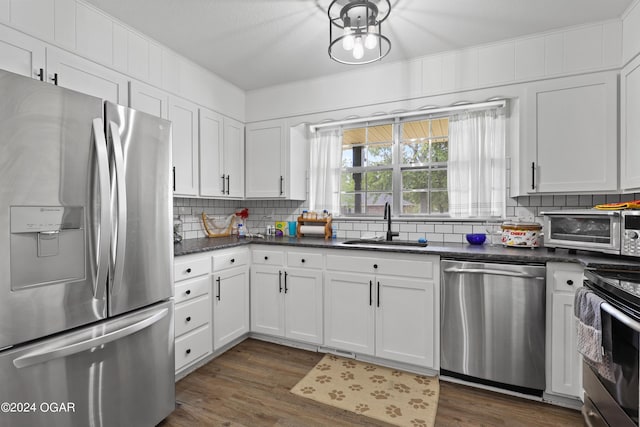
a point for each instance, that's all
(628, 321)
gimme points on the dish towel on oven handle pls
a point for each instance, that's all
(593, 337)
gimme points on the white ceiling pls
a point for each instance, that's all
(260, 43)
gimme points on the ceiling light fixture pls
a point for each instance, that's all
(355, 31)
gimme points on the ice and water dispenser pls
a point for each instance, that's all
(47, 245)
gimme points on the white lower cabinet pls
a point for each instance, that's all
(192, 317)
(394, 315)
(564, 374)
(287, 302)
(230, 296)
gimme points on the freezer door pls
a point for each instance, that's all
(116, 373)
(53, 209)
(142, 243)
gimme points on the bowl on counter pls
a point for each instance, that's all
(476, 238)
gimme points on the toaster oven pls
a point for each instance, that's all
(584, 229)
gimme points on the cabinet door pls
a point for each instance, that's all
(21, 54)
(233, 157)
(406, 320)
(148, 99)
(572, 126)
(265, 176)
(565, 359)
(212, 180)
(230, 306)
(630, 126)
(184, 124)
(303, 305)
(79, 74)
(267, 300)
(349, 313)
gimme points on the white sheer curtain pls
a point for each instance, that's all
(324, 175)
(476, 171)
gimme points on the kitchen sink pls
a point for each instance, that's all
(392, 243)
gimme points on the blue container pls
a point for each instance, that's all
(293, 225)
(476, 238)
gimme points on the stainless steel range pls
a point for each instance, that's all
(611, 388)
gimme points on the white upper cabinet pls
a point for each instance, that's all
(630, 126)
(76, 73)
(570, 135)
(221, 156)
(184, 118)
(148, 99)
(276, 161)
(21, 54)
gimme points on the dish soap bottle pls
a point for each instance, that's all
(241, 232)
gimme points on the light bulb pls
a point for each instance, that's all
(348, 41)
(371, 41)
(358, 48)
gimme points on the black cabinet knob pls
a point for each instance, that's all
(189, 319)
(302, 260)
(233, 260)
(188, 351)
(375, 265)
(188, 292)
(266, 258)
(570, 282)
(188, 270)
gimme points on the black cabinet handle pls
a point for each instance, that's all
(281, 185)
(54, 79)
(223, 191)
(188, 319)
(285, 282)
(189, 270)
(370, 292)
(375, 265)
(218, 296)
(378, 296)
(280, 281)
(41, 74)
(228, 176)
(266, 258)
(188, 292)
(302, 260)
(233, 260)
(188, 351)
(174, 178)
(570, 282)
(533, 175)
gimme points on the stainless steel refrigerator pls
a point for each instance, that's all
(86, 307)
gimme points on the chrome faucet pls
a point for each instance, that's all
(387, 216)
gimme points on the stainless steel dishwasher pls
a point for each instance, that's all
(493, 324)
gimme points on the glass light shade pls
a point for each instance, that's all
(358, 48)
(348, 41)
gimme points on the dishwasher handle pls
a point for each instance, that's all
(493, 272)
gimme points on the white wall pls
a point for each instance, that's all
(631, 32)
(88, 32)
(569, 51)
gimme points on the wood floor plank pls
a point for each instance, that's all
(249, 385)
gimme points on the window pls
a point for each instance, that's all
(403, 163)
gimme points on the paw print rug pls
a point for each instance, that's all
(386, 394)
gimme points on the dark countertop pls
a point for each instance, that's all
(459, 251)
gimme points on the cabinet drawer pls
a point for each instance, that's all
(193, 346)
(188, 267)
(344, 261)
(568, 280)
(403, 265)
(226, 260)
(190, 289)
(266, 257)
(304, 260)
(191, 314)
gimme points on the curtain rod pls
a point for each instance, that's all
(480, 105)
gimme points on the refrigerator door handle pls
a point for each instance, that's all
(102, 266)
(120, 225)
(70, 346)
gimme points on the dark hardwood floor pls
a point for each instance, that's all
(249, 386)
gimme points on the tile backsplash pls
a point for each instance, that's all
(263, 212)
